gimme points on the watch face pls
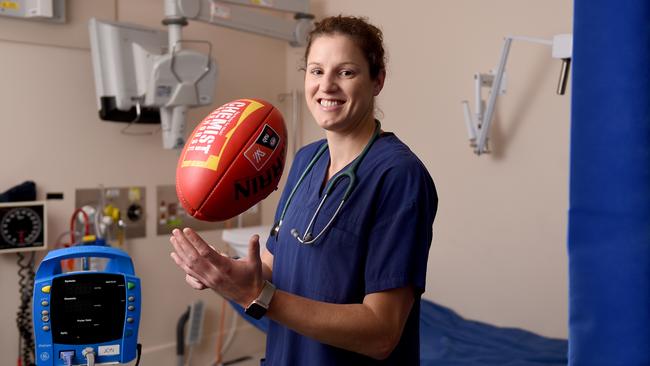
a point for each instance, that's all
(255, 310)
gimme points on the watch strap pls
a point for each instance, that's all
(264, 298)
(266, 295)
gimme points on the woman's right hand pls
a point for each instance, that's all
(238, 280)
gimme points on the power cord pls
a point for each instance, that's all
(24, 315)
(180, 337)
(139, 349)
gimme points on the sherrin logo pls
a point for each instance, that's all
(259, 152)
(212, 135)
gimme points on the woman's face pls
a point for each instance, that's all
(338, 87)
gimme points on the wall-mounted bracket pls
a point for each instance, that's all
(478, 124)
(474, 121)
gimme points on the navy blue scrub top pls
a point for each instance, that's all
(379, 241)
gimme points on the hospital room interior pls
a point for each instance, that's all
(530, 116)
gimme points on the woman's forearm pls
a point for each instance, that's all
(372, 328)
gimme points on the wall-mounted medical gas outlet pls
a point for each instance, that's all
(42, 10)
(23, 226)
(171, 215)
(114, 213)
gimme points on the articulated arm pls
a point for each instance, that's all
(232, 15)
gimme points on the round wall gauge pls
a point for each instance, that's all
(22, 226)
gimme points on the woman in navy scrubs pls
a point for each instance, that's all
(343, 286)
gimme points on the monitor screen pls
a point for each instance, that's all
(120, 53)
(87, 308)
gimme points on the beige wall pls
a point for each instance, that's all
(498, 253)
(50, 133)
(499, 247)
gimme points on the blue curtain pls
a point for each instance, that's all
(609, 215)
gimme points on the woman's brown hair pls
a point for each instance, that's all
(367, 37)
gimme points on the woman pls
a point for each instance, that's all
(342, 287)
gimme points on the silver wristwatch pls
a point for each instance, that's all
(260, 305)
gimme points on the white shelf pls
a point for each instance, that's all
(238, 238)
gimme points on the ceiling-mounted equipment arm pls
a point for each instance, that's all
(145, 75)
(240, 15)
(289, 6)
(232, 14)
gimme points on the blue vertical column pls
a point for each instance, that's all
(609, 215)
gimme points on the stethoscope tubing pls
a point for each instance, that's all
(349, 173)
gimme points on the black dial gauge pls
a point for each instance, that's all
(21, 226)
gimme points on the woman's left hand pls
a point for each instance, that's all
(239, 280)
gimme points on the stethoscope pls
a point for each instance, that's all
(350, 173)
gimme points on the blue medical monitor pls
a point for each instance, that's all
(77, 311)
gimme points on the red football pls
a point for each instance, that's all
(232, 160)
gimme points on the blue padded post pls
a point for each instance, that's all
(609, 215)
